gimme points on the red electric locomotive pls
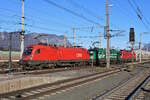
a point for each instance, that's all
(48, 55)
(126, 55)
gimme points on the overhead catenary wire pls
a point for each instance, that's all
(43, 20)
(28, 25)
(85, 37)
(40, 20)
(9, 22)
(9, 19)
(134, 7)
(27, 19)
(141, 12)
(35, 26)
(11, 11)
(86, 10)
(72, 12)
(14, 1)
(94, 36)
(44, 28)
(121, 8)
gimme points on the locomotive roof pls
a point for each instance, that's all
(126, 50)
(44, 44)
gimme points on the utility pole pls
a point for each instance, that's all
(22, 29)
(73, 29)
(65, 44)
(140, 47)
(107, 37)
(10, 46)
(99, 39)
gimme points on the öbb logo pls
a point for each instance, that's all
(78, 54)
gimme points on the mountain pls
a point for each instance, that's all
(29, 39)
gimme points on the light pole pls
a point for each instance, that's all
(10, 49)
(140, 46)
(73, 29)
(65, 43)
(99, 39)
(22, 28)
(10, 46)
(107, 37)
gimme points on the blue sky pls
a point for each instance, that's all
(40, 16)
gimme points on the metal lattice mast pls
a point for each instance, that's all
(65, 42)
(100, 43)
(107, 37)
(73, 37)
(22, 29)
(140, 48)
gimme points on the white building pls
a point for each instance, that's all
(144, 54)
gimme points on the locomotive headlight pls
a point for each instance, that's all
(30, 57)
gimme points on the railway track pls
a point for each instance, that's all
(47, 71)
(44, 71)
(4, 67)
(16, 69)
(143, 91)
(131, 89)
(52, 88)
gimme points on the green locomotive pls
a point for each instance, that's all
(98, 56)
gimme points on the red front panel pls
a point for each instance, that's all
(26, 57)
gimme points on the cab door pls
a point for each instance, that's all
(37, 54)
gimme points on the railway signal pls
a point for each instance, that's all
(131, 38)
(132, 41)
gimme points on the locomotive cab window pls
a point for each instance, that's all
(37, 51)
(28, 51)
